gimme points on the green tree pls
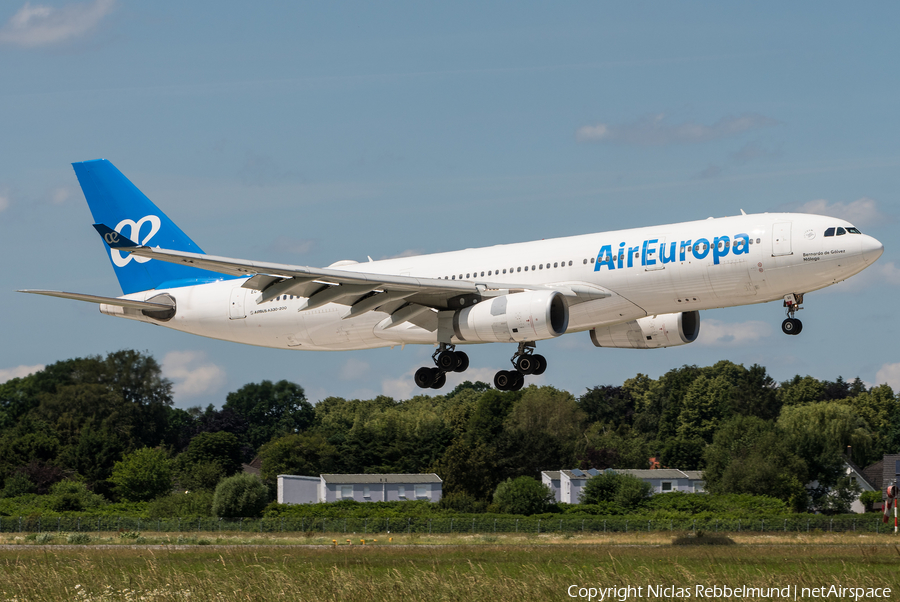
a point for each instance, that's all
(306, 454)
(240, 495)
(221, 448)
(623, 489)
(821, 433)
(271, 409)
(523, 495)
(142, 475)
(751, 455)
(800, 390)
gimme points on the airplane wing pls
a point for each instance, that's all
(362, 290)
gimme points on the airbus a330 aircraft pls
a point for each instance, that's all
(640, 288)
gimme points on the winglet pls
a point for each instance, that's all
(113, 238)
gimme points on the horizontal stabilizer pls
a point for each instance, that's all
(132, 303)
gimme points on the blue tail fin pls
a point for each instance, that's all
(116, 202)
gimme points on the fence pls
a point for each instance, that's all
(422, 525)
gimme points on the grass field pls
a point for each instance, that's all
(466, 568)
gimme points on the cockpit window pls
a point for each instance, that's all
(841, 231)
(829, 232)
(853, 231)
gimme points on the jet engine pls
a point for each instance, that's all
(651, 332)
(528, 316)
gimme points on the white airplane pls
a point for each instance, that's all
(640, 288)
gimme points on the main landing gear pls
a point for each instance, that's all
(446, 359)
(792, 303)
(526, 361)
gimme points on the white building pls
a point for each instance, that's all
(567, 484)
(359, 487)
(297, 489)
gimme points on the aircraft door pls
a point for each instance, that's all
(236, 309)
(781, 239)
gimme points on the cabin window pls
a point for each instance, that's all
(467, 275)
(841, 232)
(554, 264)
(504, 270)
(570, 263)
(584, 261)
(526, 268)
(518, 269)
(757, 241)
(541, 266)
(853, 231)
(532, 268)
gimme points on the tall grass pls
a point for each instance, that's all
(371, 573)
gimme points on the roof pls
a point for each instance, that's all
(875, 474)
(298, 477)
(860, 473)
(659, 473)
(553, 475)
(381, 478)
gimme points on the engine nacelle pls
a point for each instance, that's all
(650, 332)
(529, 316)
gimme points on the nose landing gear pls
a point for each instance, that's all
(792, 304)
(446, 359)
(526, 361)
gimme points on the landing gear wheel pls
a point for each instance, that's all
(440, 379)
(525, 364)
(518, 381)
(540, 364)
(462, 362)
(791, 326)
(424, 377)
(446, 361)
(503, 379)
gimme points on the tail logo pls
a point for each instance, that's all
(118, 258)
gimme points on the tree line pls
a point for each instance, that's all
(107, 426)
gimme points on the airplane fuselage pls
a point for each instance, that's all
(640, 272)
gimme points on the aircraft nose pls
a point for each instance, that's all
(871, 248)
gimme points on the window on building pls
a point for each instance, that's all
(665, 486)
(366, 492)
(421, 491)
(345, 491)
(401, 492)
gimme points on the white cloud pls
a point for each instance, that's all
(192, 374)
(59, 195)
(400, 388)
(292, 246)
(653, 130)
(861, 212)
(890, 374)
(18, 372)
(41, 25)
(715, 333)
(353, 369)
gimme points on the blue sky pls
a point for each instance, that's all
(307, 133)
